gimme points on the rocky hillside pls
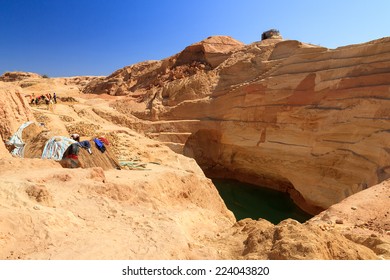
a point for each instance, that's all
(14, 110)
(196, 59)
(263, 112)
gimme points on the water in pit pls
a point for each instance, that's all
(249, 201)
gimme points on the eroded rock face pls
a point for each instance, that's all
(317, 119)
(293, 116)
(127, 79)
(142, 77)
(14, 110)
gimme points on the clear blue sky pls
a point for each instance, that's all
(97, 37)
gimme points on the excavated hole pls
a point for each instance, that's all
(270, 198)
(251, 201)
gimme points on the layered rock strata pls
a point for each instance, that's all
(297, 117)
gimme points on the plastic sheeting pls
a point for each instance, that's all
(17, 140)
(56, 147)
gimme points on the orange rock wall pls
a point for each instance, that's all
(298, 117)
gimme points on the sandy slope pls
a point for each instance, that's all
(48, 212)
(54, 213)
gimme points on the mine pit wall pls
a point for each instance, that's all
(318, 126)
(321, 147)
(314, 183)
(299, 118)
(326, 151)
(320, 153)
(219, 160)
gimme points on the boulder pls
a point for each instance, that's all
(212, 51)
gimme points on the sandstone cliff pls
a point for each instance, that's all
(265, 112)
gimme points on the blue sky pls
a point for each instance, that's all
(97, 37)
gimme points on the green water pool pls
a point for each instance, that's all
(249, 201)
